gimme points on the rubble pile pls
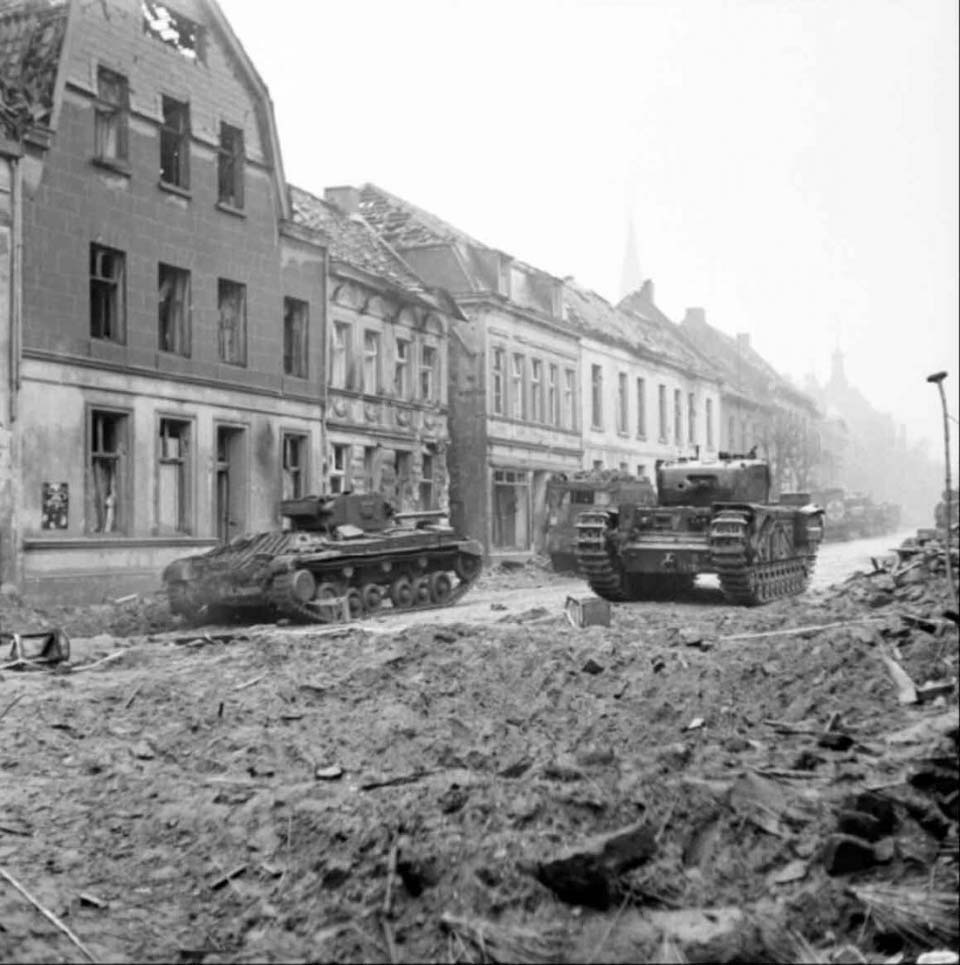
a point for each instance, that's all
(693, 782)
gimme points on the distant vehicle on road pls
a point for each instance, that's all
(712, 516)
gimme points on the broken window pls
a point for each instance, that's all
(232, 330)
(691, 419)
(709, 420)
(401, 369)
(596, 397)
(294, 465)
(428, 365)
(106, 293)
(175, 144)
(499, 374)
(371, 363)
(296, 315)
(569, 413)
(642, 408)
(622, 402)
(338, 469)
(174, 301)
(175, 30)
(172, 477)
(511, 505)
(677, 416)
(112, 116)
(731, 441)
(536, 390)
(340, 356)
(107, 470)
(230, 166)
(517, 398)
(662, 411)
(427, 465)
(552, 397)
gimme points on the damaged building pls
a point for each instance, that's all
(386, 381)
(164, 336)
(514, 375)
(648, 397)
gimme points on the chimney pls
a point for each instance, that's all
(695, 317)
(743, 341)
(646, 291)
(345, 197)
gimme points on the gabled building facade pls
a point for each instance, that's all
(514, 378)
(385, 384)
(166, 313)
(647, 397)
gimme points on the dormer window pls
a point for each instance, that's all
(181, 33)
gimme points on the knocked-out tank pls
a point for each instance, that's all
(345, 555)
(568, 495)
(712, 516)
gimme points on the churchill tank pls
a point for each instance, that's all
(342, 557)
(711, 516)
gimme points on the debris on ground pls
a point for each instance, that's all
(693, 782)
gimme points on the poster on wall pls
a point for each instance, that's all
(55, 505)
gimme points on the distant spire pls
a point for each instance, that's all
(631, 277)
(837, 374)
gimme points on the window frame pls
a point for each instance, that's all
(402, 355)
(596, 396)
(226, 287)
(641, 388)
(708, 419)
(428, 369)
(292, 441)
(231, 167)
(341, 354)
(372, 362)
(536, 390)
(677, 417)
(175, 136)
(623, 404)
(184, 331)
(552, 408)
(340, 472)
(100, 282)
(296, 340)
(107, 113)
(663, 420)
(568, 411)
(185, 525)
(124, 471)
(691, 418)
(498, 380)
(518, 393)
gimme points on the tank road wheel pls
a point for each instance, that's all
(355, 602)
(421, 591)
(401, 593)
(372, 597)
(441, 586)
(327, 612)
(303, 585)
(467, 567)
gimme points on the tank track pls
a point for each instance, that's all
(752, 583)
(594, 561)
(283, 599)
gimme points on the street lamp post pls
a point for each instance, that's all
(937, 379)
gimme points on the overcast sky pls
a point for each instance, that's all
(789, 165)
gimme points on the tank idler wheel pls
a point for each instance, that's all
(372, 597)
(355, 602)
(421, 591)
(327, 612)
(441, 586)
(467, 566)
(303, 585)
(401, 593)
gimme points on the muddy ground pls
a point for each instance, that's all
(397, 790)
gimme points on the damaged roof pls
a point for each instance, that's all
(743, 368)
(643, 331)
(31, 39)
(352, 241)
